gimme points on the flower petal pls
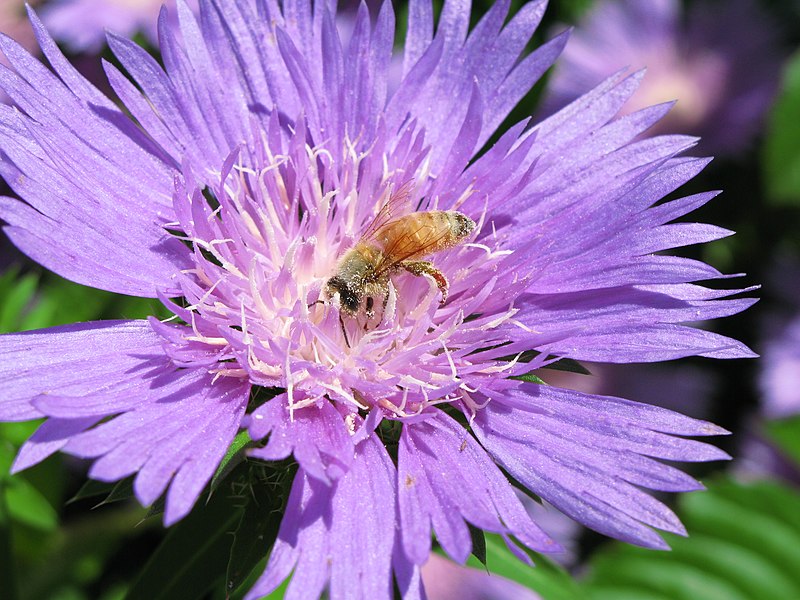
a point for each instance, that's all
(316, 435)
(324, 536)
(433, 458)
(85, 360)
(183, 435)
(83, 169)
(563, 464)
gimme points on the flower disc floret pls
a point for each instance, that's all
(267, 238)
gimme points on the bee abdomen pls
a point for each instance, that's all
(428, 232)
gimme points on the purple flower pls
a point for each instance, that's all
(82, 24)
(258, 158)
(780, 372)
(14, 23)
(677, 386)
(722, 64)
(445, 580)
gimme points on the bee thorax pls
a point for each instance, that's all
(349, 296)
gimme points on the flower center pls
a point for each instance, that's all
(259, 303)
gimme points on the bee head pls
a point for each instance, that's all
(464, 225)
(347, 296)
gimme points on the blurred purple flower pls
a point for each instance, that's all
(761, 453)
(564, 530)
(721, 61)
(445, 580)
(780, 372)
(258, 158)
(779, 376)
(81, 24)
(680, 387)
(14, 23)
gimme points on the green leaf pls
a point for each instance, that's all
(763, 497)
(113, 492)
(568, 365)
(194, 555)
(743, 544)
(611, 592)
(16, 299)
(785, 433)
(728, 519)
(7, 452)
(122, 490)
(7, 279)
(254, 536)
(478, 543)
(8, 570)
(546, 578)
(677, 581)
(77, 554)
(18, 433)
(232, 458)
(781, 157)
(27, 505)
(529, 377)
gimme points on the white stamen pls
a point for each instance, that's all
(289, 385)
(453, 370)
(423, 306)
(522, 326)
(464, 196)
(480, 246)
(502, 318)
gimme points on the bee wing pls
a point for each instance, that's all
(398, 203)
(426, 239)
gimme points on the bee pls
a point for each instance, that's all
(392, 244)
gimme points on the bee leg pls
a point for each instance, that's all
(423, 267)
(369, 309)
(344, 331)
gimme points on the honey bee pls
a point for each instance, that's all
(390, 245)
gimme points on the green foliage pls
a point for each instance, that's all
(215, 549)
(530, 378)
(193, 555)
(52, 559)
(75, 557)
(781, 155)
(743, 544)
(785, 433)
(32, 301)
(112, 492)
(28, 505)
(233, 457)
(8, 566)
(253, 536)
(478, 537)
